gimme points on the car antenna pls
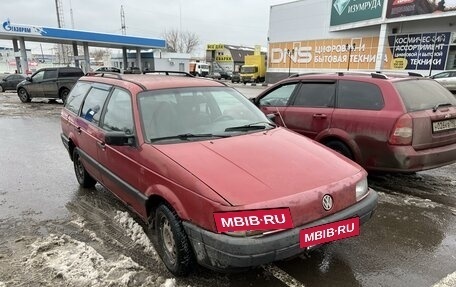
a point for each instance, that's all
(280, 116)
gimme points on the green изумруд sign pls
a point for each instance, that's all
(349, 11)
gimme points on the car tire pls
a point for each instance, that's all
(23, 95)
(64, 95)
(83, 177)
(341, 148)
(1, 89)
(172, 244)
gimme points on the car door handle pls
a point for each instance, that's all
(320, 116)
(78, 130)
(101, 145)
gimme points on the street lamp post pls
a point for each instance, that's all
(349, 48)
(289, 53)
(432, 57)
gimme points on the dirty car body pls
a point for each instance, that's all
(178, 149)
(392, 123)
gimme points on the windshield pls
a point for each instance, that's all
(419, 95)
(249, 70)
(198, 113)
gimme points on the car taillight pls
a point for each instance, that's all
(402, 133)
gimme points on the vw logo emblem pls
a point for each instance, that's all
(327, 202)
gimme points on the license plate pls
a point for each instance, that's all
(444, 125)
(329, 232)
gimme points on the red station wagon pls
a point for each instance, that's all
(390, 123)
(180, 151)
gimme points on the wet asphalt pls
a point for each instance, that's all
(410, 241)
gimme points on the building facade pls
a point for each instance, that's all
(366, 35)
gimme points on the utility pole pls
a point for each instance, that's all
(71, 15)
(63, 54)
(122, 20)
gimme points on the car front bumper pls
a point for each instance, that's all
(224, 252)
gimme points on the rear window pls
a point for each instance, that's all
(359, 95)
(419, 95)
(69, 73)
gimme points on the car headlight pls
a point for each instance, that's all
(361, 189)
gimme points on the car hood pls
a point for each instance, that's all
(261, 166)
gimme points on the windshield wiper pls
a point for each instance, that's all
(436, 107)
(188, 136)
(252, 126)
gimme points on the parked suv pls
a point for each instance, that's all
(53, 83)
(10, 81)
(212, 177)
(388, 123)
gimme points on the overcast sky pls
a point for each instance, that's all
(236, 22)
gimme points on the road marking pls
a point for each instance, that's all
(283, 276)
(449, 281)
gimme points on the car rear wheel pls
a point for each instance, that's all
(172, 243)
(341, 148)
(64, 95)
(1, 89)
(23, 95)
(83, 177)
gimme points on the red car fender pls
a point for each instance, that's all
(170, 197)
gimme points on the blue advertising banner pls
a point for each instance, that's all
(417, 51)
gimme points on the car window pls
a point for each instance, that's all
(38, 76)
(279, 97)
(359, 95)
(119, 115)
(76, 96)
(415, 94)
(315, 95)
(208, 110)
(441, 75)
(68, 73)
(93, 104)
(50, 74)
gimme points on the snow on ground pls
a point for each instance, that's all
(135, 231)
(400, 199)
(78, 264)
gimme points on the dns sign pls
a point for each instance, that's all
(298, 55)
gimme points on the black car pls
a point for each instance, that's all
(53, 83)
(108, 69)
(10, 81)
(132, 70)
(235, 77)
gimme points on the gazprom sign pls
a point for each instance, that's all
(9, 30)
(21, 29)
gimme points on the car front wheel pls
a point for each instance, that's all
(64, 95)
(23, 95)
(172, 243)
(83, 177)
(1, 89)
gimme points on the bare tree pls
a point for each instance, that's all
(181, 42)
(100, 55)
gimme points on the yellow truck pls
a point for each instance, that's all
(254, 69)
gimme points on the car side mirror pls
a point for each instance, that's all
(254, 101)
(4, 79)
(119, 139)
(29, 79)
(271, 117)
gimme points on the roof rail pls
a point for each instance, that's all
(413, 74)
(169, 72)
(103, 74)
(378, 76)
